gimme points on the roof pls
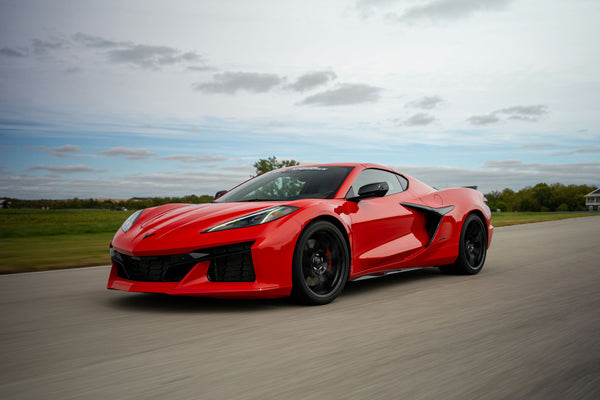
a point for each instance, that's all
(594, 193)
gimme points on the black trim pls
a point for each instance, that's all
(433, 217)
(230, 263)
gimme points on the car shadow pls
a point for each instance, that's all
(357, 288)
(152, 302)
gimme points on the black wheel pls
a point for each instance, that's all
(321, 264)
(472, 248)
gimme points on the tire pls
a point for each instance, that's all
(321, 264)
(472, 248)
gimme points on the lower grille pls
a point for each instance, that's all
(155, 268)
(232, 263)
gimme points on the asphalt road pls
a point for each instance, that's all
(526, 327)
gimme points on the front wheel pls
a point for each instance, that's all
(472, 248)
(321, 264)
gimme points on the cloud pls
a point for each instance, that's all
(447, 10)
(497, 175)
(96, 41)
(537, 146)
(130, 154)
(139, 55)
(232, 82)
(483, 119)
(311, 80)
(525, 113)
(200, 68)
(42, 47)
(147, 56)
(345, 94)
(5, 147)
(60, 152)
(419, 119)
(177, 183)
(73, 70)
(8, 52)
(522, 113)
(64, 169)
(426, 103)
(187, 158)
(583, 150)
(367, 7)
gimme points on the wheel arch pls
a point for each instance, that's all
(481, 216)
(338, 224)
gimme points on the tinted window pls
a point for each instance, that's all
(377, 175)
(290, 184)
(403, 182)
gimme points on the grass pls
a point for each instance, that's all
(516, 218)
(37, 240)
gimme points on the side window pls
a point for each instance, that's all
(403, 182)
(377, 175)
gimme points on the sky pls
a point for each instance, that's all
(120, 99)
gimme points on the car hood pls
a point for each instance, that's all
(179, 225)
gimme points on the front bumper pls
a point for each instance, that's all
(254, 267)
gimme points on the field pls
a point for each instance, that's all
(37, 240)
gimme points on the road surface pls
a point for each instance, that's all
(526, 327)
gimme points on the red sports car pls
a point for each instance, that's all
(302, 231)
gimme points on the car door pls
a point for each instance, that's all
(381, 227)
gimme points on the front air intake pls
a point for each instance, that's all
(231, 263)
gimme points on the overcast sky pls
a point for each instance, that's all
(115, 99)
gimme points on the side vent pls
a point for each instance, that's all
(433, 217)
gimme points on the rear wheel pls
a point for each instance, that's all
(472, 248)
(321, 264)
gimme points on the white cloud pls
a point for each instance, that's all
(447, 10)
(419, 119)
(483, 119)
(130, 154)
(312, 80)
(426, 103)
(345, 94)
(64, 169)
(514, 174)
(61, 151)
(187, 158)
(232, 82)
(531, 113)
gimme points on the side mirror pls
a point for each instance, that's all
(377, 189)
(219, 194)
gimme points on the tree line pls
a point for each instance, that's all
(541, 197)
(108, 204)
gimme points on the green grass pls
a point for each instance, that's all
(516, 218)
(27, 223)
(37, 240)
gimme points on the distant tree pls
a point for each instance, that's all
(502, 206)
(541, 197)
(271, 163)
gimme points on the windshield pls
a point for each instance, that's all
(290, 184)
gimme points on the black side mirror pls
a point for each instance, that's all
(377, 189)
(219, 194)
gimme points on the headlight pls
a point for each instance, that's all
(130, 221)
(256, 218)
